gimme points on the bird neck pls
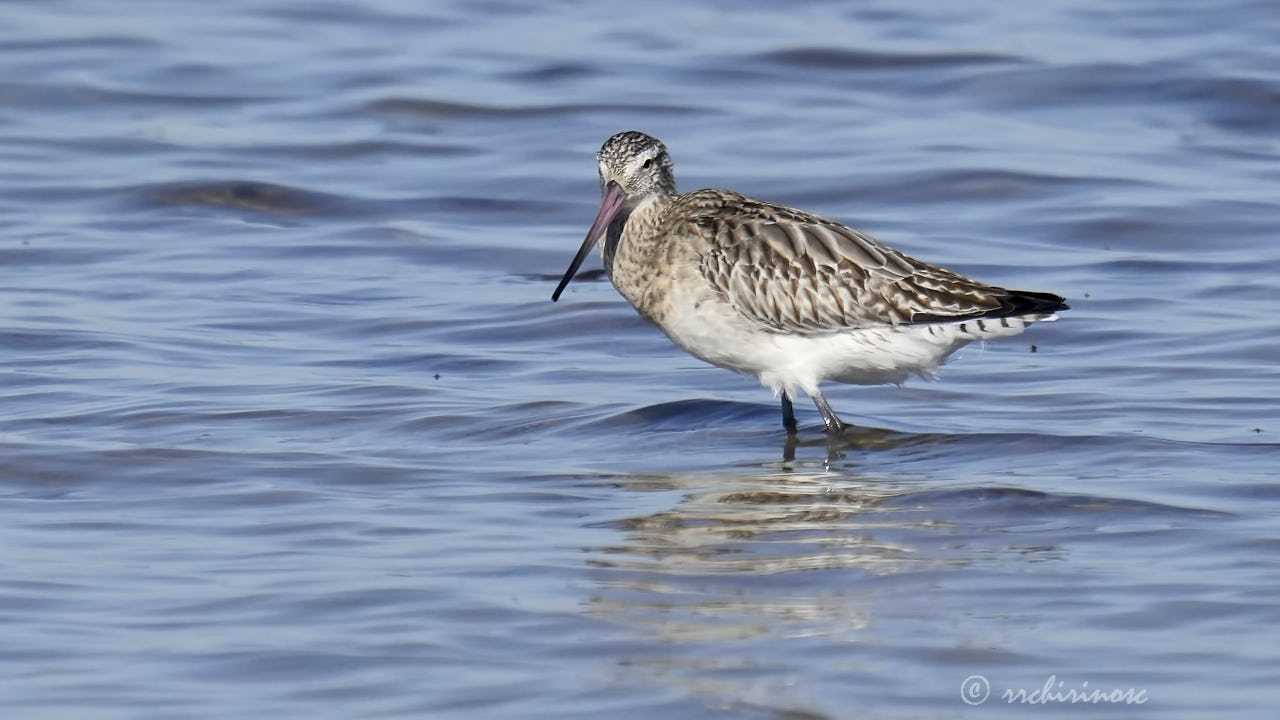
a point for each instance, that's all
(633, 253)
(638, 221)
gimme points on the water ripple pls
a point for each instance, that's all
(845, 59)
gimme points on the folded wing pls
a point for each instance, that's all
(800, 273)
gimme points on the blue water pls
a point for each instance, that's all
(289, 426)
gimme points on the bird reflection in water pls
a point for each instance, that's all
(850, 439)
(704, 568)
(748, 566)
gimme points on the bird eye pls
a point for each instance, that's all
(647, 164)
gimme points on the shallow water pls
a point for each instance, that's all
(290, 427)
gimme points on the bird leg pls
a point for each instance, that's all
(834, 425)
(788, 414)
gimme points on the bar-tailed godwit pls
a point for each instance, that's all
(778, 293)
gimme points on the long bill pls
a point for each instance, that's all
(614, 196)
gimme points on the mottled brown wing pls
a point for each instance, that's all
(800, 273)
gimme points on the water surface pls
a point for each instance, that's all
(289, 426)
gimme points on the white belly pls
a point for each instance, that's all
(719, 335)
